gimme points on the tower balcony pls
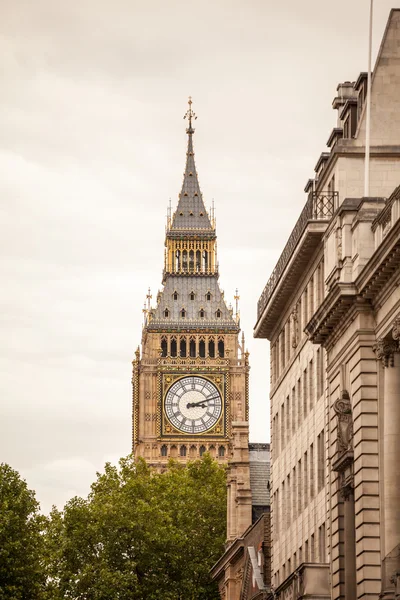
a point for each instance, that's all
(301, 245)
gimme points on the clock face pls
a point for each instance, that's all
(193, 404)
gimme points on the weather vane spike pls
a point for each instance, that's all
(189, 115)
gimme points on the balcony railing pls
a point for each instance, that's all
(320, 206)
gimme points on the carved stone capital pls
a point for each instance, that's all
(396, 329)
(384, 350)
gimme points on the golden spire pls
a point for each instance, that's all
(189, 115)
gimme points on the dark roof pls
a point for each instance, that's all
(190, 214)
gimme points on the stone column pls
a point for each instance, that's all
(389, 352)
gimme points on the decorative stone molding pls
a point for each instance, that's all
(385, 349)
(342, 408)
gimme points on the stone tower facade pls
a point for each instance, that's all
(190, 379)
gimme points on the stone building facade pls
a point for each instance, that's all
(331, 311)
(191, 376)
(244, 571)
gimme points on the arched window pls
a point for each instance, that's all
(175, 295)
(178, 260)
(182, 352)
(198, 261)
(192, 295)
(184, 260)
(192, 451)
(201, 313)
(164, 346)
(218, 314)
(221, 349)
(212, 451)
(192, 348)
(202, 349)
(164, 450)
(166, 313)
(205, 261)
(221, 451)
(183, 451)
(173, 452)
(208, 296)
(202, 450)
(183, 313)
(211, 348)
(191, 260)
(173, 347)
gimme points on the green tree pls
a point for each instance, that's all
(140, 535)
(21, 540)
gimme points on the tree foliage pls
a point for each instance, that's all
(21, 540)
(140, 535)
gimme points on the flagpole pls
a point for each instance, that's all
(368, 119)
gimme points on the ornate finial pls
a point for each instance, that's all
(190, 115)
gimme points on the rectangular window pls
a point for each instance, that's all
(311, 387)
(321, 532)
(294, 494)
(288, 499)
(305, 307)
(293, 410)
(287, 419)
(299, 404)
(312, 544)
(321, 460)
(318, 376)
(306, 555)
(300, 555)
(311, 297)
(283, 362)
(282, 427)
(306, 491)
(312, 470)
(299, 488)
(305, 393)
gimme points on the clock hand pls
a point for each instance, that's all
(201, 402)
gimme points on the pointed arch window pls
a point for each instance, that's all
(202, 348)
(175, 295)
(218, 314)
(192, 348)
(192, 451)
(173, 452)
(164, 450)
(184, 260)
(178, 260)
(221, 451)
(173, 347)
(205, 260)
(211, 348)
(208, 296)
(198, 261)
(201, 313)
(182, 349)
(221, 348)
(212, 451)
(202, 450)
(191, 260)
(183, 451)
(166, 313)
(183, 313)
(192, 295)
(164, 346)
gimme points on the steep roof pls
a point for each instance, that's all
(184, 286)
(190, 214)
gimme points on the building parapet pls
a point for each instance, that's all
(319, 208)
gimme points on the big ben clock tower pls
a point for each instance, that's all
(190, 381)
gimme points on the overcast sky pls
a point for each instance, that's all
(92, 146)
